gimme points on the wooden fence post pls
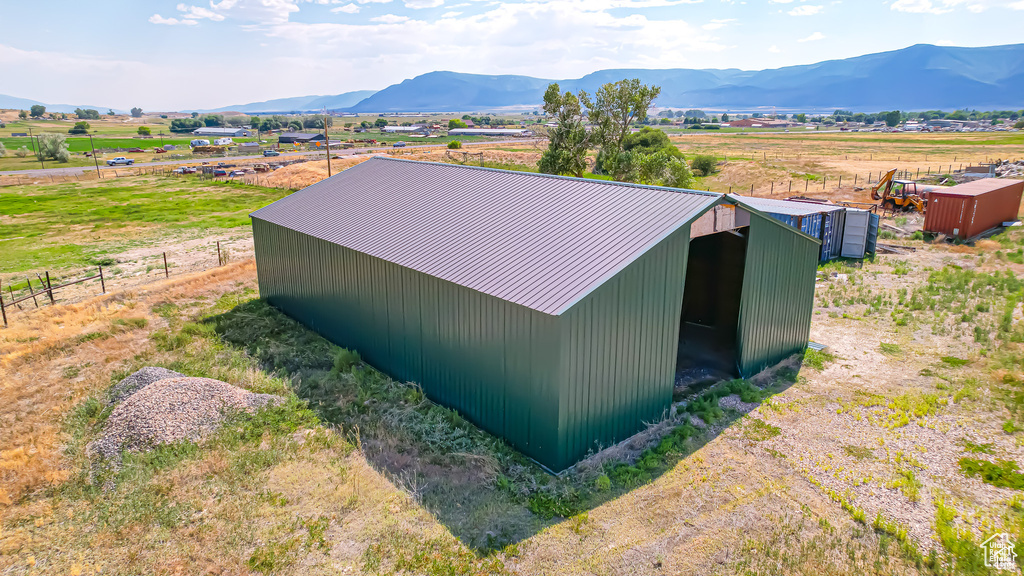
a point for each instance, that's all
(49, 288)
(103, 285)
(166, 273)
(3, 309)
(31, 293)
(220, 261)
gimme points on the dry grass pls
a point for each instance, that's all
(48, 364)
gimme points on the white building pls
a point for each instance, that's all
(223, 132)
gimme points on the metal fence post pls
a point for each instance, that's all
(103, 285)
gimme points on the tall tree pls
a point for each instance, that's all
(615, 107)
(569, 140)
(37, 110)
(136, 112)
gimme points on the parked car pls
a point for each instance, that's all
(185, 170)
(269, 153)
(220, 172)
(237, 173)
(120, 161)
(398, 145)
(136, 150)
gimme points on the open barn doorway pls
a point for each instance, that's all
(711, 306)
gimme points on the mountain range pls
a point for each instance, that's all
(918, 77)
(299, 103)
(915, 78)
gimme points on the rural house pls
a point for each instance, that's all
(554, 312)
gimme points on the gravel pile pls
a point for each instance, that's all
(139, 380)
(170, 410)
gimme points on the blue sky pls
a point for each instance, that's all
(166, 55)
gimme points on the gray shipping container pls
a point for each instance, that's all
(855, 233)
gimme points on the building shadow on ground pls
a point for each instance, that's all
(486, 493)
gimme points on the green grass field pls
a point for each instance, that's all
(51, 227)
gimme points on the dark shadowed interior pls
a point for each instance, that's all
(711, 306)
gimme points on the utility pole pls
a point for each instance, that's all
(94, 160)
(328, 138)
(35, 147)
(39, 152)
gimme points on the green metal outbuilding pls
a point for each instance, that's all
(554, 312)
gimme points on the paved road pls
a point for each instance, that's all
(71, 171)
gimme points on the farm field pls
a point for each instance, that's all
(109, 135)
(890, 454)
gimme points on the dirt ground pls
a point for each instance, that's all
(737, 502)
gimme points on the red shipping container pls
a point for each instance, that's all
(967, 210)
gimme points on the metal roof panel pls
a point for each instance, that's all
(536, 240)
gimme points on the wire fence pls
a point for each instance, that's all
(18, 295)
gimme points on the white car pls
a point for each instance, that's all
(120, 161)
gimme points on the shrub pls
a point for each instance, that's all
(345, 360)
(703, 164)
(1002, 473)
(53, 147)
(817, 359)
(3, 150)
(21, 152)
(144, 131)
(455, 145)
(80, 128)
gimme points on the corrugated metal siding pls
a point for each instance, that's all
(967, 210)
(832, 234)
(493, 361)
(533, 239)
(619, 351)
(778, 295)
(872, 244)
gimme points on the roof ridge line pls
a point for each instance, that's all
(558, 177)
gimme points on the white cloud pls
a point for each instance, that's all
(347, 9)
(716, 24)
(805, 10)
(198, 13)
(418, 4)
(373, 1)
(585, 34)
(781, 1)
(158, 19)
(451, 14)
(258, 11)
(925, 6)
(774, 49)
(812, 37)
(1016, 5)
(390, 19)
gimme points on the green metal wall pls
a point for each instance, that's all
(619, 347)
(493, 361)
(778, 294)
(555, 387)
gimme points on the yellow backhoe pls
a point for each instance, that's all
(905, 195)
